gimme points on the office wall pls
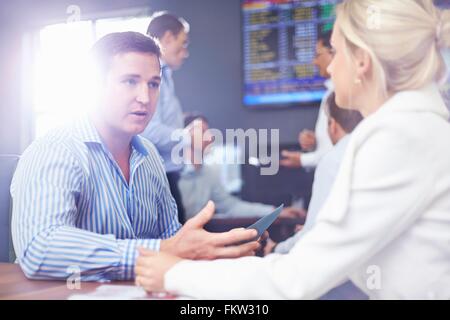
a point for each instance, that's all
(209, 82)
(211, 79)
(9, 92)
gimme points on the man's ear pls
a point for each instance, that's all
(167, 38)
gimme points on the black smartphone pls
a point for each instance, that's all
(265, 222)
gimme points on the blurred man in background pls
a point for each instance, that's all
(341, 123)
(200, 182)
(172, 32)
(315, 144)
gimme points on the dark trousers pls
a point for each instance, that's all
(173, 178)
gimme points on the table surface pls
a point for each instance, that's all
(15, 286)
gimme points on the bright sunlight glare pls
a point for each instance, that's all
(62, 77)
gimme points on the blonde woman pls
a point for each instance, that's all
(386, 223)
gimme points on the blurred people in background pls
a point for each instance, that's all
(385, 224)
(200, 183)
(172, 33)
(314, 144)
(341, 123)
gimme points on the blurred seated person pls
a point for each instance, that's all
(200, 183)
(341, 123)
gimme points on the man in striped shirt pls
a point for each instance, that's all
(87, 196)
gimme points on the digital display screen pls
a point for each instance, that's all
(279, 46)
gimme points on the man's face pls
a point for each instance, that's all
(175, 49)
(130, 93)
(322, 59)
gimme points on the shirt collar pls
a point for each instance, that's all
(165, 68)
(87, 132)
(138, 145)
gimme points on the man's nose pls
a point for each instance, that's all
(143, 94)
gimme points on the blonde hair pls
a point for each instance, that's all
(404, 39)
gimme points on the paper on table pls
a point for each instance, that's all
(123, 292)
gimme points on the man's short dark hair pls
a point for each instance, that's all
(325, 38)
(192, 116)
(113, 44)
(347, 119)
(163, 21)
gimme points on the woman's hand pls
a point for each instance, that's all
(151, 268)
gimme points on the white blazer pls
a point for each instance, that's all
(385, 224)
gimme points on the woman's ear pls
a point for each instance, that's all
(363, 63)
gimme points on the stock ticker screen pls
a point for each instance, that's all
(279, 40)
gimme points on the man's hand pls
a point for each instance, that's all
(291, 212)
(151, 268)
(195, 243)
(307, 140)
(291, 159)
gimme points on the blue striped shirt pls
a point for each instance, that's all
(72, 207)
